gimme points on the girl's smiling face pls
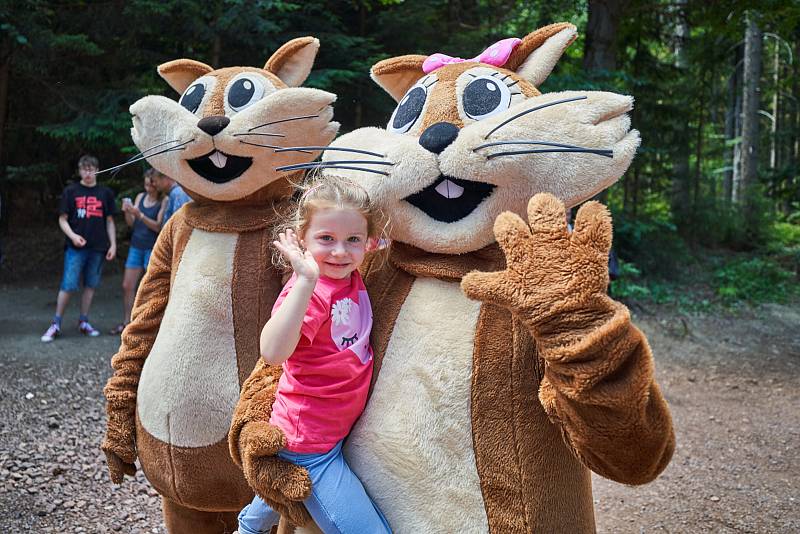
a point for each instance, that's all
(337, 239)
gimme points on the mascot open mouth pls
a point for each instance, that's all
(218, 167)
(450, 199)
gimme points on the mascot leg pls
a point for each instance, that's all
(182, 520)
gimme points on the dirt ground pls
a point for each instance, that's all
(733, 383)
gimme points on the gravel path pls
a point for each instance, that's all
(733, 385)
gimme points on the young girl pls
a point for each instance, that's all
(319, 331)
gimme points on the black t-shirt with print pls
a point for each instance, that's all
(86, 209)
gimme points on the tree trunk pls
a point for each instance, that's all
(681, 207)
(5, 74)
(599, 51)
(750, 106)
(773, 147)
(362, 30)
(698, 166)
(731, 121)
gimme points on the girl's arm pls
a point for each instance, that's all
(280, 335)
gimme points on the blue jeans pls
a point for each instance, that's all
(138, 258)
(338, 502)
(81, 261)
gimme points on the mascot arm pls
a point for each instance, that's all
(599, 386)
(598, 380)
(119, 444)
(253, 443)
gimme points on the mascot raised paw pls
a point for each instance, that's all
(210, 285)
(503, 375)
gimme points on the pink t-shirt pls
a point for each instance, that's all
(325, 381)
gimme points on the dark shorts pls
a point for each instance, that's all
(81, 263)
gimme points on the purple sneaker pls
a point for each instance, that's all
(87, 329)
(53, 332)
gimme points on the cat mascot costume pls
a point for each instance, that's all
(503, 373)
(210, 285)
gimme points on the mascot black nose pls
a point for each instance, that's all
(214, 124)
(437, 137)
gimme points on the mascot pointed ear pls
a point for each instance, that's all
(537, 54)
(180, 73)
(293, 61)
(397, 74)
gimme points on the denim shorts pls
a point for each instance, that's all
(138, 258)
(81, 263)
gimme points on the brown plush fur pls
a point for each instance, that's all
(178, 518)
(561, 382)
(203, 488)
(253, 442)
(396, 75)
(532, 41)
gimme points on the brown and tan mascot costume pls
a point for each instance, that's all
(210, 285)
(503, 372)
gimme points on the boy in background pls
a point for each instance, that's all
(86, 216)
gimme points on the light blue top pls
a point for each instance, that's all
(177, 198)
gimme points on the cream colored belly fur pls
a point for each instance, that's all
(412, 447)
(189, 384)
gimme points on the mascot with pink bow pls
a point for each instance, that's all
(504, 375)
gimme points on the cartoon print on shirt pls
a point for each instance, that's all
(340, 313)
(350, 328)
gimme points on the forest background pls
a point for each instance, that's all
(708, 214)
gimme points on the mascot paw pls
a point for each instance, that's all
(118, 468)
(547, 267)
(283, 485)
(260, 438)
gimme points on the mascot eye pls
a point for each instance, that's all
(408, 111)
(193, 96)
(244, 91)
(485, 96)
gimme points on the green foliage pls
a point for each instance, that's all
(629, 284)
(653, 241)
(754, 280)
(77, 67)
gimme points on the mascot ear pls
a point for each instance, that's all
(293, 61)
(537, 54)
(180, 73)
(397, 74)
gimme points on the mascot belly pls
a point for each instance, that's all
(408, 446)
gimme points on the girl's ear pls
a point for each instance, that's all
(372, 244)
(292, 62)
(536, 56)
(396, 75)
(180, 73)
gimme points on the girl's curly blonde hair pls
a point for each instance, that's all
(320, 191)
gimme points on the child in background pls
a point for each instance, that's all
(319, 331)
(87, 219)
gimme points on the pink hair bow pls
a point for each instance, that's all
(496, 55)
